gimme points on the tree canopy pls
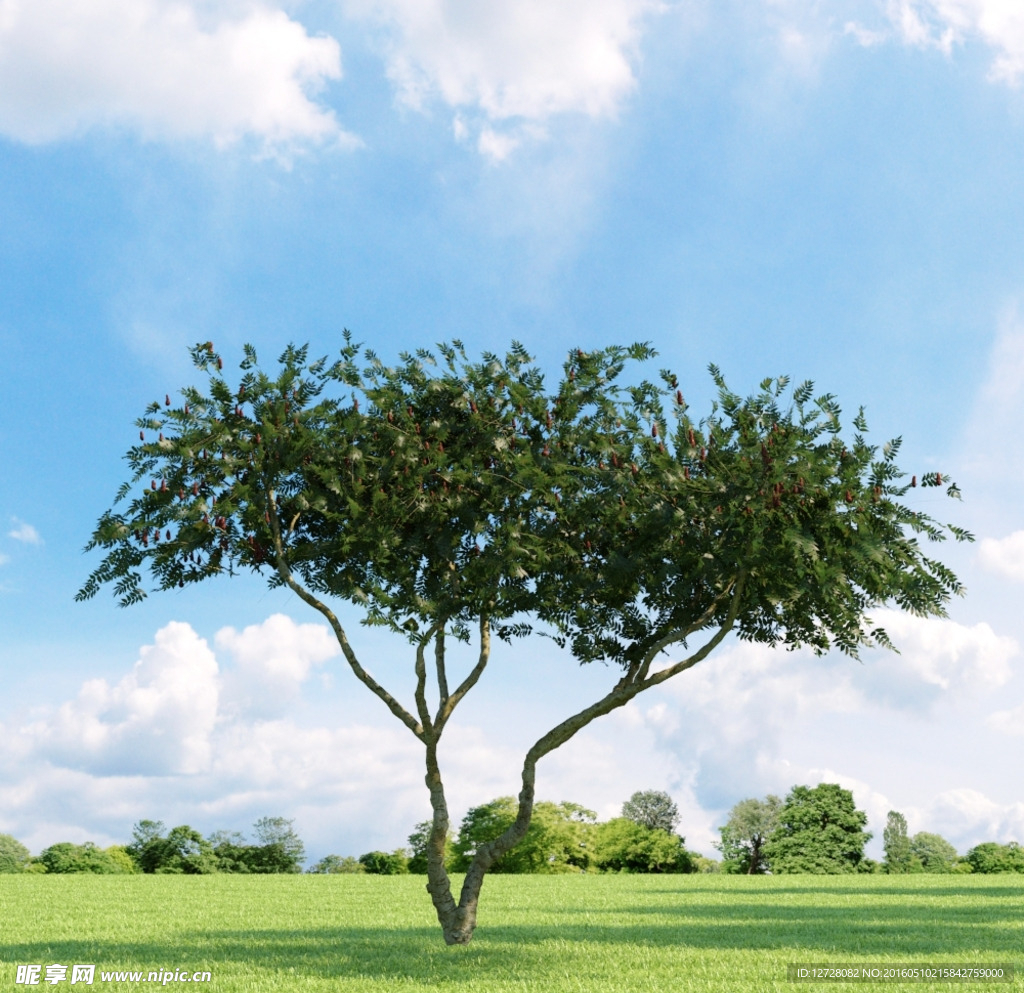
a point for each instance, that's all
(744, 835)
(456, 499)
(819, 830)
(897, 844)
(653, 809)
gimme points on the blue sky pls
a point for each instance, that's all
(771, 186)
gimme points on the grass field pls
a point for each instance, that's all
(546, 933)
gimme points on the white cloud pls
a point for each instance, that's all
(967, 818)
(943, 24)
(1008, 721)
(1004, 556)
(510, 60)
(272, 660)
(4, 559)
(169, 68)
(157, 720)
(24, 532)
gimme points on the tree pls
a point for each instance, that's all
(444, 497)
(991, 857)
(624, 845)
(750, 825)
(281, 849)
(653, 809)
(557, 839)
(183, 850)
(933, 853)
(385, 863)
(819, 830)
(336, 864)
(897, 844)
(14, 856)
(67, 857)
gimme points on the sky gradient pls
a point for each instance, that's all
(834, 195)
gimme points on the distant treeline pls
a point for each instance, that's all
(813, 830)
(181, 850)
(820, 830)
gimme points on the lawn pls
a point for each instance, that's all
(544, 933)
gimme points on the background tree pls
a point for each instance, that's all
(67, 857)
(452, 498)
(557, 840)
(750, 825)
(820, 830)
(280, 848)
(394, 863)
(653, 809)
(337, 864)
(624, 845)
(183, 850)
(991, 857)
(14, 856)
(896, 843)
(933, 853)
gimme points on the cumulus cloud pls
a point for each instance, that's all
(1004, 556)
(510, 61)
(945, 24)
(156, 720)
(727, 718)
(271, 662)
(168, 68)
(24, 532)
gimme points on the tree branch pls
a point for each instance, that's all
(442, 676)
(285, 572)
(445, 710)
(620, 695)
(681, 634)
(421, 683)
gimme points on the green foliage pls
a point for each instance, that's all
(14, 856)
(280, 848)
(652, 809)
(183, 850)
(556, 841)
(463, 490)
(896, 844)
(750, 824)
(933, 853)
(66, 857)
(394, 863)
(623, 845)
(991, 857)
(819, 830)
(418, 848)
(337, 864)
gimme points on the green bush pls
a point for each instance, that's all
(394, 863)
(65, 857)
(335, 864)
(623, 845)
(14, 856)
(991, 857)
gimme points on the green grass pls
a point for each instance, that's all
(546, 933)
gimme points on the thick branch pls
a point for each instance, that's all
(681, 634)
(444, 711)
(421, 681)
(620, 695)
(285, 572)
(442, 676)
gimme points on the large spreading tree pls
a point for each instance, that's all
(458, 499)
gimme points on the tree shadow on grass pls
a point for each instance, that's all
(419, 954)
